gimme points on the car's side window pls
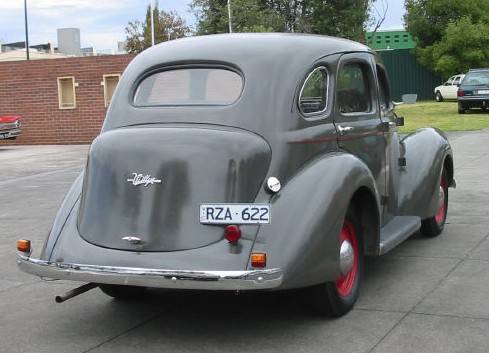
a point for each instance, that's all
(457, 80)
(384, 95)
(353, 92)
(313, 98)
(450, 81)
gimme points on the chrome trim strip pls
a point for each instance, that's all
(473, 98)
(146, 277)
(9, 134)
(9, 126)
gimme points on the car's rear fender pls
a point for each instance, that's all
(64, 211)
(426, 151)
(307, 215)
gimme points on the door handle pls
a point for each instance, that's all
(387, 126)
(344, 129)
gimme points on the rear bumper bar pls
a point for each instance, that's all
(144, 277)
(9, 134)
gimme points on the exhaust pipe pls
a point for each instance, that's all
(74, 292)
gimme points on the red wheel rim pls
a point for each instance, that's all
(442, 205)
(346, 282)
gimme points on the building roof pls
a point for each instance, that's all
(16, 55)
(21, 45)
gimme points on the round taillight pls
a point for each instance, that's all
(232, 233)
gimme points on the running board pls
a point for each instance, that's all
(396, 231)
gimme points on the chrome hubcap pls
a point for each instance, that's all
(346, 257)
(441, 200)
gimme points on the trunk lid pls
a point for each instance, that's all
(148, 182)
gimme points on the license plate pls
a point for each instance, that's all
(483, 91)
(235, 213)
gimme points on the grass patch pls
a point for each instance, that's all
(442, 115)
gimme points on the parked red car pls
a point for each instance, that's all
(9, 127)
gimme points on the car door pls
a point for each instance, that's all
(445, 89)
(357, 118)
(393, 144)
(452, 94)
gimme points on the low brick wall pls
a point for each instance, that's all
(30, 89)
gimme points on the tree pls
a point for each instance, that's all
(332, 17)
(340, 18)
(465, 45)
(427, 20)
(247, 16)
(167, 26)
(433, 23)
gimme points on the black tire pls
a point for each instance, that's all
(122, 292)
(433, 226)
(326, 298)
(438, 96)
(461, 109)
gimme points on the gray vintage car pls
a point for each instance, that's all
(247, 162)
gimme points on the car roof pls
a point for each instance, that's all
(275, 42)
(240, 48)
(272, 64)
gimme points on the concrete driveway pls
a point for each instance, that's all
(429, 295)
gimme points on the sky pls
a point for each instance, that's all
(102, 22)
(395, 11)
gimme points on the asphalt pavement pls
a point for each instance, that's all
(428, 295)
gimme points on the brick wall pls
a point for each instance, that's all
(30, 89)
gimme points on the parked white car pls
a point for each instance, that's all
(449, 89)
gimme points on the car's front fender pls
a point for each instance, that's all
(307, 215)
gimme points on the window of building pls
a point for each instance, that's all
(314, 93)
(66, 92)
(110, 83)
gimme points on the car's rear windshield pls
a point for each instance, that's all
(189, 86)
(476, 78)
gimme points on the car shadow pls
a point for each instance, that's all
(276, 305)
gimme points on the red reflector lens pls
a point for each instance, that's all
(232, 233)
(460, 93)
(258, 259)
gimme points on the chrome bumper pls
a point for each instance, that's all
(9, 134)
(146, 277)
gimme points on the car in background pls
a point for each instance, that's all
(449, 89)
(9, 127)
(474, 91)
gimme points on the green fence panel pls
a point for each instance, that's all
(407, 76)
